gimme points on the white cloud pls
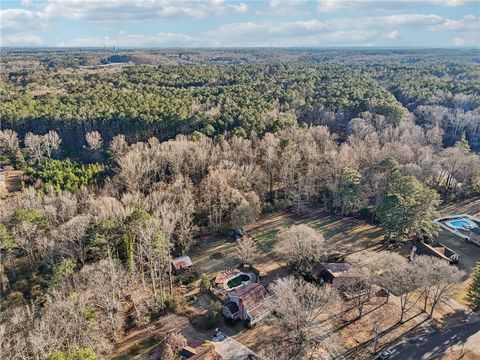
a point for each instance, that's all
(467, 23)
(132, 40)
(138, 10)
(241, 8)
(458, 41)
(392, 35)
(411, 19)
(466, 40)
(353, 31)
(274, 3)
(326, 6)
(21, 26)
(282, 8)
(287, 33)
(20, 40)
(261, 29)
(425, 22)
(21, 20)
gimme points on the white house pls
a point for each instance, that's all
(250, 302)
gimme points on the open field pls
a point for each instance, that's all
(469, 206)
(343, 234)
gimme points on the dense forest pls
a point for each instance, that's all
(126, 165)
(217, 96)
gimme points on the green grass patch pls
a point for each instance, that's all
(266, 240)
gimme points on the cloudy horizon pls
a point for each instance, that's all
(217, 23)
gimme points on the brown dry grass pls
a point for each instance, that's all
(205, 262)
(347, 234)
(357, 335)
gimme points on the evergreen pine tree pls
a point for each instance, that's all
(473, 294)
(463, 142)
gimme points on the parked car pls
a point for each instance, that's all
(384, 355)
(237, 234)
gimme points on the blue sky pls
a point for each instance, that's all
(217, 23)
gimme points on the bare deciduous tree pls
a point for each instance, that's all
(437, 280)
(31, 238)
(35, 146)
(246, 250)
(246, 210)
(40, 145)
(118, 146)
(94, 140)
(358, 288)
(301, 246)
(152, 254)
(300, 309)
(70, 238)
(9, 140)
(51, 142)
(402, 279)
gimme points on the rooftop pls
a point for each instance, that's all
(475, 230)
(336, 269)
(250, 294)
(182, 262)
(438, 250)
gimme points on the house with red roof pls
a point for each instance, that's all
(250, 303)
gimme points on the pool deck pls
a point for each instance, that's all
(444, 223)
(468, 252)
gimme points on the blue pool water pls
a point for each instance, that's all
(463, 223)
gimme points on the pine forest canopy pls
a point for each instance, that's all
(223, 92)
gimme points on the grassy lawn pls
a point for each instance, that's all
(214, 254)
(469, 206)
(266, 240)
(341, 234)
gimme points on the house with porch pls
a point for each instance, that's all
(250, 303)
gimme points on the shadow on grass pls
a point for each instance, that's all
(142, 348)
(266, 240)
(351, 353)
(348, 322)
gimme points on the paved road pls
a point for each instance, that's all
(431, 346)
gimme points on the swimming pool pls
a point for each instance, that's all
(238, 281)
(461, 224)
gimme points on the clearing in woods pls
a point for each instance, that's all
(215, 253)
(342, 234)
